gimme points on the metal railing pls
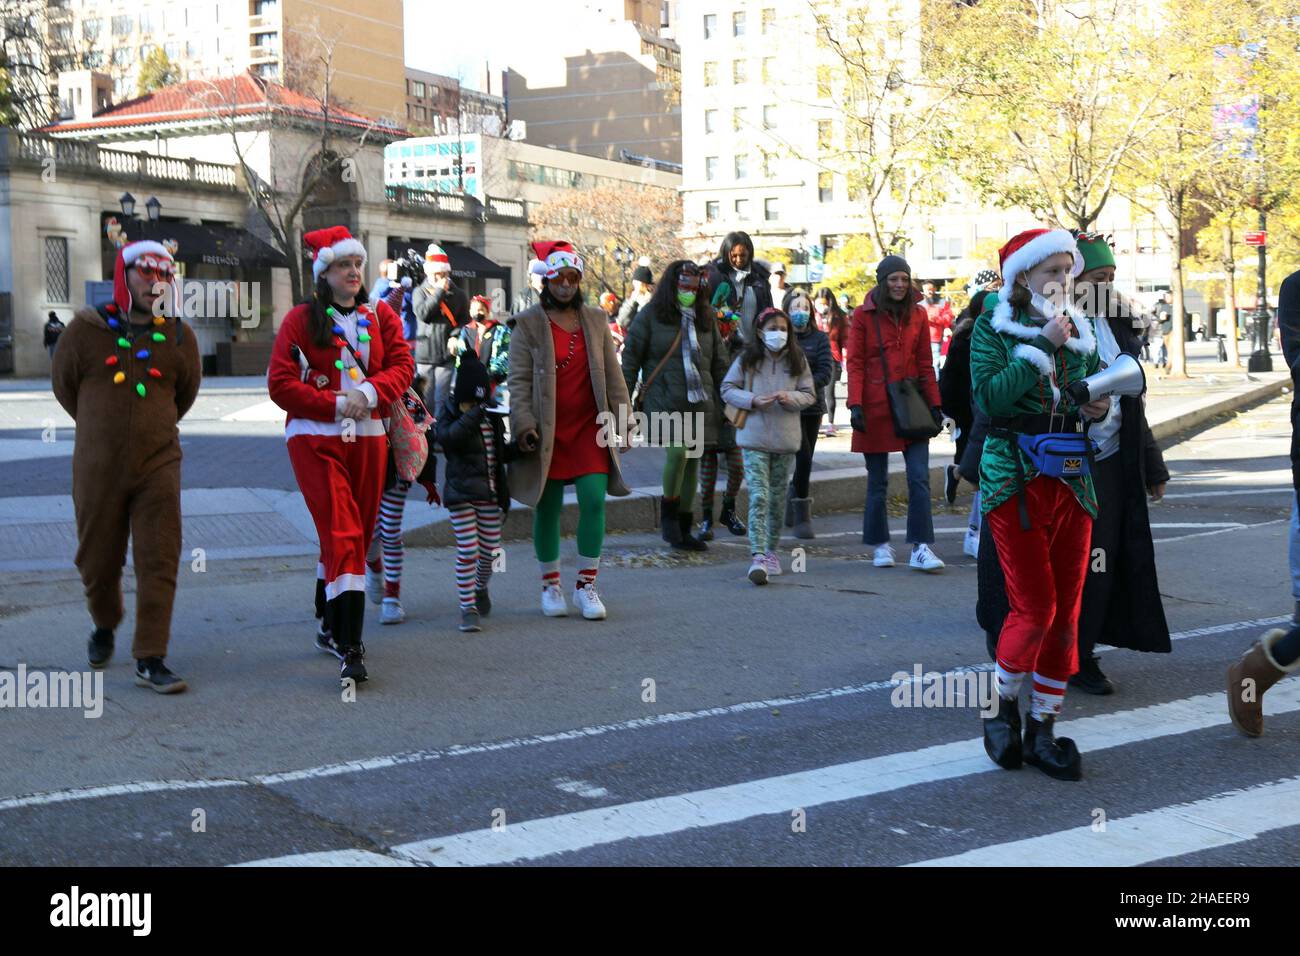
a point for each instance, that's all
(17, 146)
(458, 205)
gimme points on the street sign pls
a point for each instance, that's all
(1257, 238)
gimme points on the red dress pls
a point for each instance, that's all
(576, 451)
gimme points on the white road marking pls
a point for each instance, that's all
(512, 743)
(547, 836)
(1223, 494)
(1155, 835)
(330, 858)
(581, 787)
(1206, 534)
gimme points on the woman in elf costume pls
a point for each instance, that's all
(1025, 350)
(335, 368)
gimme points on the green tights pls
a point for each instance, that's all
(591, 517)
(680, 472)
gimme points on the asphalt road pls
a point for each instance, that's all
(771, 736)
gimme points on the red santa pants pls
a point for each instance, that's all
(1045, 569)
(342, 482)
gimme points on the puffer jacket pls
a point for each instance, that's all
(648, 338)
(816, 346)
(775, 428)
(465, 478)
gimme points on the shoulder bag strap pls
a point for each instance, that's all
(646, 383)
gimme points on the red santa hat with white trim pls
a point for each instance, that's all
(436, 260)
(329, 244)
(556, 255)
(152, 253)
(1027, 249)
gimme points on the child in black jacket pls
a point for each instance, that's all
(474, 484)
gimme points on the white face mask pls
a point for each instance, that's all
(774, 339)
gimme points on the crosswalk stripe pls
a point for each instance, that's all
(1155, 835)
(330, 858)
(533, 839)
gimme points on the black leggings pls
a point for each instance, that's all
(1287, 650)
(803, 457)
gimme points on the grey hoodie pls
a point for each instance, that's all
(774, 428)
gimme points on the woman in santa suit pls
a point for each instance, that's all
(336, 366)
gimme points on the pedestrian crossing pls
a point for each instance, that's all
(1218, 819)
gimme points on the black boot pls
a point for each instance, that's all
(1002, 734)
(668, 525)
(705, 531)
(1057, 757)
(99, 649)
(729, 519)
(1090, 679)
(689, 543)
(348, 611)
(789, 506)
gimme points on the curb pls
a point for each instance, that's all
(839, 489)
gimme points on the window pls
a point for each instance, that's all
(122, 56)
(173, 50)
(710, 168)
(739, 118)
(121, 26)
(767, 165)
(710, 74)
(90, 29)
(94, 59)
(710, 121)
(769, 116)
(742, 166)
(825, 187)
(946, 248)
(739, 71)
(742, 210)
(769, 19)
(824, 81)
(710, 26)
(63, 33)
(193, 49)
(771, 209)
(711, 210)
(57, 287)
(146, 21)
(738, 24)
(823, 134)
(417, 89)
(769, 71)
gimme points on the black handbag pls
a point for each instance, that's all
(912, 417)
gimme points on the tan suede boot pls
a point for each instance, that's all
(1249, 678)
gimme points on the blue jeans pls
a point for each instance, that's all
(1294, 550)
(920, 525)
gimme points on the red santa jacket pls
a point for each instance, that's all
(940, 318)
(907, 355)
(311, 403)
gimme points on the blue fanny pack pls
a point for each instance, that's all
(1059, 454)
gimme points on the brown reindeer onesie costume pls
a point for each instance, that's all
(127, 377)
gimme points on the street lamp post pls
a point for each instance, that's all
(1260, 359)
(624, 256)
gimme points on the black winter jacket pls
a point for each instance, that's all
(432, 348)
(816, 345)
(466, 472)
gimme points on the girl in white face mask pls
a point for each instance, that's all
(770, 383)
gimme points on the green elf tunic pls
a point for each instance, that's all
(1016, 370)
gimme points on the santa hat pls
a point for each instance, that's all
(1026, 250)
(126, 258)
(436, 260)
(557, 255)
(329, 244)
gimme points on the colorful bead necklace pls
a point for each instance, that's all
(340, 341)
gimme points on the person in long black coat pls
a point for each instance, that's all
(1133, 615)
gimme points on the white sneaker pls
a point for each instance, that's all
(773, 564)
(589, 602)
(971, 546)
(374, 585)
(884, 556)
(553, 603)
(392, 612)
(758, 569)
(923, 559)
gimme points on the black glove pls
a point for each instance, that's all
(937, 414)
(856, 420)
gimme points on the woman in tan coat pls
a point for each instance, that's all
(567, 402)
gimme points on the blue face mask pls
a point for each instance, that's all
(799, 320)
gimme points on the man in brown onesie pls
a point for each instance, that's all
(126, 373)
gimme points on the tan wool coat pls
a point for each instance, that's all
(532, 394)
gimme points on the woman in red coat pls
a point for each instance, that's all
(893, 308)
(335, 368)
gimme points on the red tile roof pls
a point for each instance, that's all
(248, 95)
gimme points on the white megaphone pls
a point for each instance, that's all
(1124, 377)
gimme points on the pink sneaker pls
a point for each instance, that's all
(773, 562)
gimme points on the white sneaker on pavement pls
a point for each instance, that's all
(553, 602)
(392, 612)
(773, 564)
(374, 585)
(884, 556)
(589, 602)
(923, 559)
(971, 546)
(758, 569)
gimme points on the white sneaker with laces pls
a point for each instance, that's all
(971, 546)
(392, 612)
(374, 585)
(883, 557)
(773, 564)
(589, 602)
(758, 569)
(923, 559)
(553, 603)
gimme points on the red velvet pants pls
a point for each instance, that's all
(1045, 569)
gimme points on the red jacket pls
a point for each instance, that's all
(311, 407)
(940, 318)
(907, 353)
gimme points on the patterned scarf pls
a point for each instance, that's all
(691, 356)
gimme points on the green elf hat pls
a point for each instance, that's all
(1096, 251)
